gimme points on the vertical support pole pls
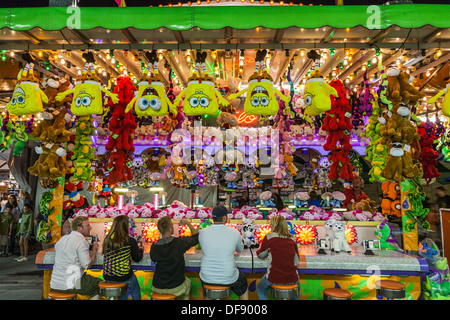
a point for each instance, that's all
(56, 216)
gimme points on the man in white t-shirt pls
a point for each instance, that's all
(218, 243)
(72, 257)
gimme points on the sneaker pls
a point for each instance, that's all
(19, 258)
(4, 255)
(23, 259)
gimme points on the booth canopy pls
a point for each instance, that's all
(237, 17)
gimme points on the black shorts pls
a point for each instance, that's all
(239, 287)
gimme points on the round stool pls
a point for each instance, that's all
(161, 296)
(216, 292)
(111, 290)
(336, 294)
(390, 289)
(55, 295)
(284, 291)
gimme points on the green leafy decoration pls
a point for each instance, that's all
(313, 288)
(195, 287)
(357, 292)
(145, 289)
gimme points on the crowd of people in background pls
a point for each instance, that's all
(17, 222)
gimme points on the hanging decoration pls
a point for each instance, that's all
(337, 124)
(399, 133)
(151, 99)
(26, 101)
(201, 97)
(122, 127)
(260, 99)
(317, 91)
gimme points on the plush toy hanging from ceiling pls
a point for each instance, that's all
(27, 97)
(151, 99)
(52, 130)
(337, 124)
(122, 127)
(317, 91)
(27, 100)
(200, 97)
(399, 134)
(87, 100)
(446, 101)
(87, 93)
(260, 98)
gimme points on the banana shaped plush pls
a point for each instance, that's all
(317, 90)
(151, 99)
(201, 96)
(87, 94)
(260, 99)
(446, 102)
(27, 96)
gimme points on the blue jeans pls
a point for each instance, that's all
(133, 287)
(263, 288)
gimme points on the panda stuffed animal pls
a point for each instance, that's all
(248, 230)
(340, 240)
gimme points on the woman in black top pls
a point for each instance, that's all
(118, 250)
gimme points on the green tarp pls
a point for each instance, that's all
(217, 17)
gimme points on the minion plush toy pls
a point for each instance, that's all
(201, 97)
(260, 99)
(151, 99)
(317, 90)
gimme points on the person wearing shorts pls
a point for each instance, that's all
(168, 255)
(218, 243)
(72, 258)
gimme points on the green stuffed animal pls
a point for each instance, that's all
(83, 148)
(82, 170)
(384, 234)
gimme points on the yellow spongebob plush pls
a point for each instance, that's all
(87, 94)
(27, 96)
(260, 99)
(151, 99)
(201, 96)
(446, 102)
(317, 91)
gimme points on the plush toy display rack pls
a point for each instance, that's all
(104, 107)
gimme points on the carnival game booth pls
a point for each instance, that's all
(170, 115)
